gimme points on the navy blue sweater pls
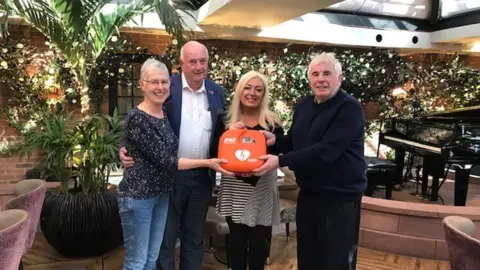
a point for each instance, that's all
(325, 147)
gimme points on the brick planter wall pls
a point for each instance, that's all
(411, 229)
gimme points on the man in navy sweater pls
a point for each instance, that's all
(325, 149)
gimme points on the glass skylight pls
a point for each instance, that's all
(450, 8)
(419, 9)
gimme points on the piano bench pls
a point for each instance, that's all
(380, 172)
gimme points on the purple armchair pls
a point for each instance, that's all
(463, 248)
(13, 227)
(29, 195)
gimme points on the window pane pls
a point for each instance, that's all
(138, 100)
(124, 105)
(138, 92)
(124, 88)
(136, 70)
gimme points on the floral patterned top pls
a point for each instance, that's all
(154, 147)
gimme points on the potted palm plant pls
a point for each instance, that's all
(81, 217)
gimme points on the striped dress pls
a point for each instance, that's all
(248, 204)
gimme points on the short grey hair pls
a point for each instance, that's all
(326, 58)
(150, 64)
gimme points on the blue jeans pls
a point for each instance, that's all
(143, 223)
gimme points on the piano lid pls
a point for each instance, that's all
(472, 112)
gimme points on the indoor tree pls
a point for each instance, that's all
(80, 29)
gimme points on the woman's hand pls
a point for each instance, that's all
(237, 125)
(126, 160)
(215, 164)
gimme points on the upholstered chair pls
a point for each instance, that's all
(13, 234)
(216, 225)
(29, 195)
(463, 248)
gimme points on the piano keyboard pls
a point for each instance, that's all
(419, 145)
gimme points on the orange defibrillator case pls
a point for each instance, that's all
(242, 148)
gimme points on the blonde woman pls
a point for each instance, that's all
(250, 203)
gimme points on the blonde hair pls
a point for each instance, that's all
(326, 58)
(267, 118)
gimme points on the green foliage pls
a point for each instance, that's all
(447, 84)
(80, 30)
(52, 136)
(96, 142)
(31, 76)
(369, 76)
(77, 153)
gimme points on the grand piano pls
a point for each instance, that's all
(444, 140)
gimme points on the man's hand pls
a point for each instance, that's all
(126, 160)
(270, 137)
(237, 125)
(271, 163)
(215, 164)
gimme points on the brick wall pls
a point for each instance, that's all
(473, 61)
(155, 43)
(12, 169)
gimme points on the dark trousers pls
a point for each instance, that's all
(186, 219)
(327, 232)
(248, 246)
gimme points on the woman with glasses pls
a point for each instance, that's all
(143, 193)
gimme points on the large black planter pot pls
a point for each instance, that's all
(81, 225)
